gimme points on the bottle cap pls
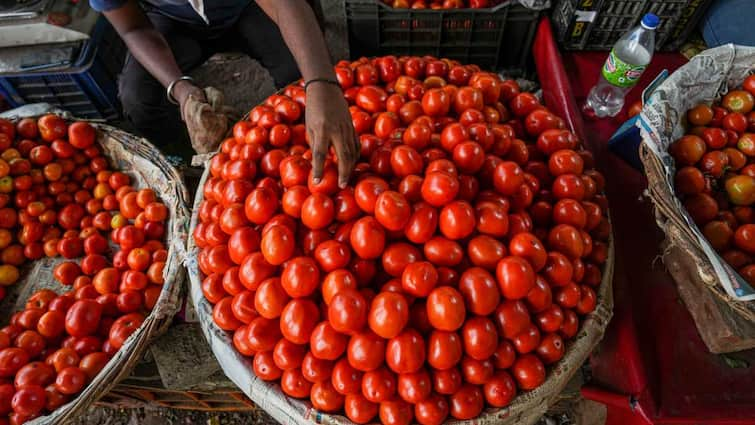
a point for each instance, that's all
(650, 21)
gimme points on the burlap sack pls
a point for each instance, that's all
(525, 409)
(147, 167)
(207, 122)
(691, 260)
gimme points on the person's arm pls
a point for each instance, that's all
(327, 115)
(149, 47)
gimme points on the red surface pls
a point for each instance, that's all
(652, 367)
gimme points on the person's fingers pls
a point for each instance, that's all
(319, 152)
(355, 145)
(344, 150)
(352, 142)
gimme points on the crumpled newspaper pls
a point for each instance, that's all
(707, 77)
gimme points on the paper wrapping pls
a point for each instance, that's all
(147, 167)
(525, 409)
(707, 77)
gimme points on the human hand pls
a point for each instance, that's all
(329, 123)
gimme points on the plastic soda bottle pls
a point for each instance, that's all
(623, 68)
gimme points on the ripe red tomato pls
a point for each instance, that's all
(439, 188)
(367, 238)
(358, 409)
(326, 343)
(467, 402)
(222, 315)
(392, 210)
(457, 220)
(432, 410)
(551, 348)
(346, 379)
(263, 334)
(523, 103)
(287, 355)
(83, 318)
(29, 401)
(567, 240)
(51, 324)
(277, 245)
(265, 368)
(347, 311)
(11, 360)
(325, 398)
(367, 191)
(70, 381)
(480, 337)
(484, 251)
(528, 371)
(500, 389)
(300, 277)
(405, 353)
(34, 373)
(371, 98)
(422, 224)
(388, 314)
(81, 134)
(51, 127)
(445, 308)
(414, 387)
(436, 102)
(365, 351)
(395, 412)
(298, 319)
(419, 278)
(378, 385)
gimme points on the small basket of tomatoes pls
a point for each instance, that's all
(92, 230)
(698, 153)
(463, 274)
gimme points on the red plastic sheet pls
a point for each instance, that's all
(652, 367)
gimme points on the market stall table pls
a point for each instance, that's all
(652, 366)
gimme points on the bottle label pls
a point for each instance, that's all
(620, 73)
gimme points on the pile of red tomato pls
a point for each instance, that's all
(715, 175)
(441, 4)
(58, 197)
(445, 278)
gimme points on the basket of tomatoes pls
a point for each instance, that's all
(698, 147)
(92, 232)
(464, 274)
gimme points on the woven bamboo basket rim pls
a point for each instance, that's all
(221, 400)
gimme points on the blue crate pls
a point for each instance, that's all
(88, 89)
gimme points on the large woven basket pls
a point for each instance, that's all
(725, 323)
(525, 409)
(147, 167)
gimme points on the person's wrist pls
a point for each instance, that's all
(182, 90)
(321, 83)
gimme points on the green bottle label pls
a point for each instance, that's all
(620, 73)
